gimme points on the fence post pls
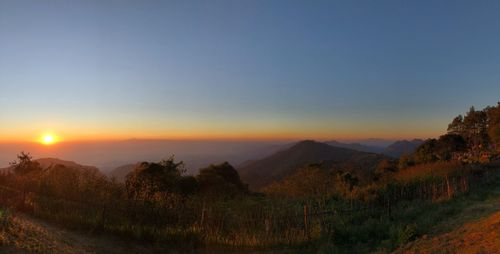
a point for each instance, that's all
(103, 218)
(267, 223)
(306, 226)
(448, 188)
(202, 221)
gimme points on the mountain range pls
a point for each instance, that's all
(260, 173)
(280, 160)
(46, 163)
(357, 146)
(258, 163)
(395, 149)
(402, 147)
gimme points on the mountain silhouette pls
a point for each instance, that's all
(260, 173)
(120, 173)
(401, 147)
(356, 146)
(46, 163)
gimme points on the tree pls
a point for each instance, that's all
(493, 114)
(473, 128)
(187, 185)
(25, 164)
(221, 180)
(426, 152)
(457, 126)
(441, 149)
(449, 144)
(147, 179)
(476, 123)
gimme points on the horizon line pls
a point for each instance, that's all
(215, 139)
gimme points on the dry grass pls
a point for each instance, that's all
(482, 236)
(438, 169)
(24, 234)
(476, 229)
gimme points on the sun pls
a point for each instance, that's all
(48, 139)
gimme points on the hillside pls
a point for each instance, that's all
(475, 228)
(262, 172)
(48, 162)
(108, 155)
(481, 236)
(401, 147)
(120, 173)
(194, 163)
(395, 149)
(24, 234)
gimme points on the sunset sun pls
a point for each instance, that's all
(48, 139)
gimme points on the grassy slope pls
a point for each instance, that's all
(467, 221)
(23, 234)
(473, 227)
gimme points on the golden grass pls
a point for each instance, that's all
(437, 169)
(24, 234)
(482, 236)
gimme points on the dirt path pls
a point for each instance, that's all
(24, 234)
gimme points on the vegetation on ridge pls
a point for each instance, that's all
(322, 207)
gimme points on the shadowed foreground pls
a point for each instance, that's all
(24, 234)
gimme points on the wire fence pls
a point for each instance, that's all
(235, 222)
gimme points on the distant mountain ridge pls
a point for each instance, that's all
(402, 147)
(108, 155)
(357, 146)
(46, 163)
(395, 149)
(261, 172)
(120, 173)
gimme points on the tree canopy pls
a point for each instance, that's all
(25, 164)
(221, 179)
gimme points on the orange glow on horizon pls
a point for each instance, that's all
(48, 139)
(86, 135)
(51, 139)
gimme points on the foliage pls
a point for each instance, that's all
(385, 169)
(470, 138)
(477, 127)
(441, 149)
(310, 181)
(493, 114)
(149, 179)
(317, 208)
(25, 165)
(426, 152)
(221, 180)
(405, 161)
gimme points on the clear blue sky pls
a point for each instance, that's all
(321, 69)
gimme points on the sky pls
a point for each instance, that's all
(95, 70)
